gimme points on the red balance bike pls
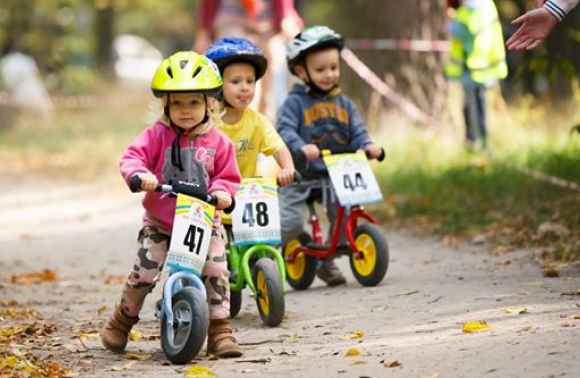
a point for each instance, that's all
(354, 184)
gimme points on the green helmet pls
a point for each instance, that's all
(187, 71)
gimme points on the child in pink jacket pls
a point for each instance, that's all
(183, 145)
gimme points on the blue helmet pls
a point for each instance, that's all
(229, 50)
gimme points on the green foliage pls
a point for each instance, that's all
(464, 193)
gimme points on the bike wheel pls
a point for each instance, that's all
(269, 292)
(183, 341)
(299, 274)
(372, 267)
(235, 302)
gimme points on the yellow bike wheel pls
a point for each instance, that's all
(301, 272)
(269, 292)
(372, 244)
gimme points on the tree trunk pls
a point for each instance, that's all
(104, 21)
(417, 75)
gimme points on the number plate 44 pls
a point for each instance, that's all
(353, 179)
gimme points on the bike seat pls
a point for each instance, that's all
(316, 247)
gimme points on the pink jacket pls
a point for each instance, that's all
(208, 10)
(208, 159)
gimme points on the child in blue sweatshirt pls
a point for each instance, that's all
(317, 116)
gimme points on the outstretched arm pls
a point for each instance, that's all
(535, 26)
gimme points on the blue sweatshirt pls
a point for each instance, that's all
(328, 122)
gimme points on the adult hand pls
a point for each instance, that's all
(535, 26)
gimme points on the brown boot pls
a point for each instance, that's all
(220, 340)
(116, 332)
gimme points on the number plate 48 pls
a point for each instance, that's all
(256, 217)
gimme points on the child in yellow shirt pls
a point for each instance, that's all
(242, 64)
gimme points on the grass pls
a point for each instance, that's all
(82, 143)
(434, 182)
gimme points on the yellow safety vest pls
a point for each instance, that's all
(487, 60)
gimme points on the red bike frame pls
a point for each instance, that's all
(356, 212)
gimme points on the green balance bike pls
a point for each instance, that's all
(253, 259)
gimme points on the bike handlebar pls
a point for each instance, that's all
(300, 159)
(183, 187)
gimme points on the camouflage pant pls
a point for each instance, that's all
(149, 264)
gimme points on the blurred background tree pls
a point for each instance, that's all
(71, 41)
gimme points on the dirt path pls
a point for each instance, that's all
(87, 236)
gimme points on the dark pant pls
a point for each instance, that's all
(474, 113)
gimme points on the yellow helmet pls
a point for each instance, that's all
(187, 71)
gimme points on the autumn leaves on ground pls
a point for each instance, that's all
(433, 190)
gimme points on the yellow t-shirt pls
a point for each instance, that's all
(252, 134)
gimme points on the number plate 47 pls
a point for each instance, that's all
(192, 229)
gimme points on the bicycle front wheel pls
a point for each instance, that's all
(183, 340)
(269, 292)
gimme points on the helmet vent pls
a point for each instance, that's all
(198, 70)
(183, 63)
(169, 72)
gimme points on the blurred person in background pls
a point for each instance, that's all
(536, 25)
(477, 58)
(267, 23)
(22, 80)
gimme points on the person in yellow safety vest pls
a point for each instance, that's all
(477, 58)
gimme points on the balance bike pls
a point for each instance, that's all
(253, 260)
(354, 184)
(183, 310)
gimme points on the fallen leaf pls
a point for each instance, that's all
(358, 362)
(13, 313)
(392, 364)
(575, 317)
(35, 277)
(356, 335)
(352, 352)
(198, 372)
(450, 241)
(135, 356)
(525, 329)
(292, 339)
(520, 310)
(475, 326)
(102, 309)
(550, 271)
(576, 292)
(135, 335)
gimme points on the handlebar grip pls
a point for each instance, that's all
(382, 155)
(297, 177)
(299, 158)
(135, 184)
(231, 208)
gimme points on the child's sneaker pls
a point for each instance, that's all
(329, 273)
